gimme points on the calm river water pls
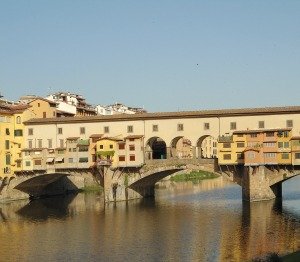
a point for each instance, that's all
(185, 222)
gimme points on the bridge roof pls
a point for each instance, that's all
(169, 115)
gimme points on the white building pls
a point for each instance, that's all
(118, 108)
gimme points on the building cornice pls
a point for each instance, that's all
(168, 115)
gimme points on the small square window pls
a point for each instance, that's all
(129, 129)
(261, 124)
(106, 129)
(111, 146)
(132, 157)
(289, 123)
(206, 126)
(155, 128)
(131, 147)
(121, 158)
(82, 130)
(232, 125)
(179, 127)
(101, 146)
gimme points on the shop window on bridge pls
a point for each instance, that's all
(269, 134)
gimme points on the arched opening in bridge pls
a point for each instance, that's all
(181, 148)
(156, 149)
(206, 147)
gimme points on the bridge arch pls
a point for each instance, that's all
(156, 148)
(206, 147)
(181, 147)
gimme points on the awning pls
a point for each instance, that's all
(50, 160)
(59, 159)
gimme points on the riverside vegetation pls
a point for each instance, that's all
(193, 176)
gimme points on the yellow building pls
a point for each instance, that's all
(42, 108)
(295, 154)
(106, 150)
(284, 147)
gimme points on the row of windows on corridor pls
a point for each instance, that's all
(251, 155)
(180, 127)
(253, 144)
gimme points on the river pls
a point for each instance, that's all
(185, 222)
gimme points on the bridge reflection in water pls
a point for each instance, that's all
(186, 222)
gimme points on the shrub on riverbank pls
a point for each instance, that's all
(193, 176)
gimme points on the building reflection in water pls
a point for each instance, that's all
(186, 222)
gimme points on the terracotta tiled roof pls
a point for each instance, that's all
(96, 135)
(173, 115)
(43, 99)
(261, 130)
(295, 138)
(134, 137)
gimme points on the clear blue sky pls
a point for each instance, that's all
(164, 55)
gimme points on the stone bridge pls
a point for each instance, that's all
(260, 182)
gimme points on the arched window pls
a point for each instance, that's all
(18, 120)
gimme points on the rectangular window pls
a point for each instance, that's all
(101, 146)
(270, 155)
(269, 134)
(286, 133)
(289, 123)
(6, 144)
(60, 130)
(121, 158)
(285, 156)
(74, 149)
(61, 143)
(240, 144)
(286, 144)
(121, 146)
(83, 159)
(297, 155)
(27, 163)
(206, 126)
(40, 143)
(232, 125)
(132, 157)
(240, 135)
(18, 132)
(60, 152)
(280, 144)
(37, 162)
(44, 115)
(269, 144)
(129, 129)
(106, 129)
(261, 124)
(226, 156)
(7, 132)
(83, 148)
(71, 160)
(131, 147)
(179, 127)
(155, 128)
(49, 143)
(82, 130)
(111, 146)
(30, 131)
(251, 155)
(7, 159)
(30, 143)
(18, 164)
(226, 145)
(253, 135)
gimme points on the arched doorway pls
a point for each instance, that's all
(206, 147)
(156, 149)
(181, 148)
